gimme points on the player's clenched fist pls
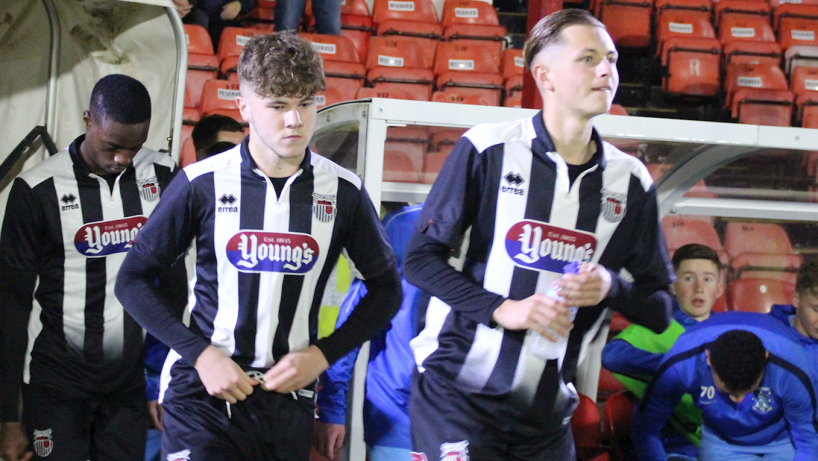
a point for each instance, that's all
(538, 312)
(222, 377)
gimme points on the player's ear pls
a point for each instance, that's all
(796, 300)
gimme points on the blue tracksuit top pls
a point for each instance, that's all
(785, 400)
(391, 362)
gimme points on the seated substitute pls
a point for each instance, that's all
(213, 130)
(752, 382)
(269, 219)
(634, 354)
(802, 314)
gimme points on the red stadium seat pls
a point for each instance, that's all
(701, 8)
(514, 85)
(618, 323)
(682, 23)
(512, 63)
(515, 100)
(756, 76)
(763, 107)
(753, 237)
(586, 427)
(807, 105)
(617, 109)
(432, 163)
(233, 39)
(804, 79)
(758, 295)
(797, 25)
(608, 385)
(489, 86)
(464, 56)
(413, 80)
(404, 10)
(680, 231)
(628, 21)
(427, 34)
(753, 53)
(358, 29)
(765, 265)
(471, 20)
(693, 66)
(198, 40)
(333, 47)
(456, 97)
(260, 18)
(219, 97)
(404, 150)
(327, 97)
(618, 417)
(742, 8)
(396, 51)
(746, 28)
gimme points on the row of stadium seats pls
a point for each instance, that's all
(742, 62)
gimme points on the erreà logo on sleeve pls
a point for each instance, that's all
(257, 251)
(543, 247)
(103, 238)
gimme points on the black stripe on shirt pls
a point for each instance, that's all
(252, 217)
(300, 221)
(95, 270)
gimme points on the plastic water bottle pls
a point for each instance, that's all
(541, 346)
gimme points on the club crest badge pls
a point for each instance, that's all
(763, 400)
(183, 455)
(613, 206)
(148, 189)
(323, 207)
(43, 444)
(457, 451)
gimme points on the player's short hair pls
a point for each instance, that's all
(695, 251)
(548, 31)
(807, 281)
(738, 358)
(281, 64)
(218, 148)
(206, 131)
(120, 98)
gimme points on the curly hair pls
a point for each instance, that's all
(548, 30)
(738, 358)
(281, 64)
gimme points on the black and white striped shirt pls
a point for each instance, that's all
(507, 183)
(65, 234)
(262, 259)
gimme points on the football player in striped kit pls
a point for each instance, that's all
(268, 220)
(538, 194)
(69, 223)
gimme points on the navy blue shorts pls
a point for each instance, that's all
(98, 428)
(446, 425)
(265, 426)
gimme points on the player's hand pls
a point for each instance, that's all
(539, 313)
(14, 443)
(327, 439)
(588, 288)
(231, 10)
(222, 377)
(295, 370)
(155, 410)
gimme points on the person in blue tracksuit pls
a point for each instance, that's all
(802, 314)
(752, 382)
(388, 377)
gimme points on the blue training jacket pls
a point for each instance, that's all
(785, 399)
(391, 362)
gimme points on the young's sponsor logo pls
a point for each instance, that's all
(258, 251)
(543, 247)
(43, 444)
(108, 237)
